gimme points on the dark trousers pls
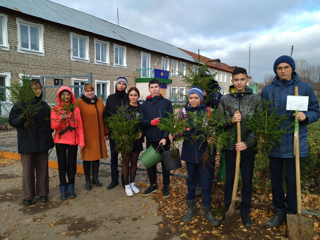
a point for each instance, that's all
(67, 162)
(152, 171)
(205, 173)
(114, 162)
(246, 168)
(38, 162)
(278, 197)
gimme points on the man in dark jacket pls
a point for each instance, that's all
(153, 109)
(114, 101)
(239, 105)
(283, 85)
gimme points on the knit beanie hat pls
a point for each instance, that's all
(122, 79)
(284, 59)
(196, 90)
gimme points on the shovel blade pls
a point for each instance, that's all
(231, 220)
(299, 227)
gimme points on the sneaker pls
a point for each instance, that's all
(128, 190)
(165, 191)
(134, 188)
(150, 190)
(27, 202)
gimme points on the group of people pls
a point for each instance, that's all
(87, 118)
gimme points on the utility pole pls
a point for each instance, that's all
(291, 51)
(249, 56)
(118, 16)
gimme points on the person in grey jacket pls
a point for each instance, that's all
(283, 85)
(238, 106)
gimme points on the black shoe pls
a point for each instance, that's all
(88, 183)
(44, 198)
(95, 173)
(86, 169)
(152, 188)
(223, 218)
(112, 185)
(207, 214)
(165, 191)
(27, 202)
(246, 221)
(278, 218)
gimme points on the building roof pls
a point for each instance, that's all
(57, 13)
(211, 62)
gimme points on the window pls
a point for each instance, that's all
(4, 32)
(102, 52)
(120, 59)
(77, 91)
(220, 76)
(230, 78)
(102, 89)
(225, 77)
(165, 64)
(195, 68)
(4, 82)
(79, 47)
(174, 67)
(31, 77)
(182, 93)
(174, 93)
(145, 65)
(30, 37)
(183, 68)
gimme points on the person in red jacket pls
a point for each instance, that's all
(66, 120)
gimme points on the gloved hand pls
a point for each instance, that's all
(155, 122)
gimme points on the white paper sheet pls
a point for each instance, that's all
(297, 103)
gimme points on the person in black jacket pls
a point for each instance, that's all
(33, 145)
(154, 108)
(114, 101)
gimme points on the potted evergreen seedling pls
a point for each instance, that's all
(265, 124)
(124, 132)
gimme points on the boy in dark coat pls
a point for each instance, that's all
(114, 101)
(238, 106)
(192, 154)
(283, 85)
(154, 108)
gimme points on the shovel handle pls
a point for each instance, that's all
(297, 158)
(237, 170)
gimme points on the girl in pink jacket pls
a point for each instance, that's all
(66, 120)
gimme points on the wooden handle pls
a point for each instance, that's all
(297, 159)
(236, 175)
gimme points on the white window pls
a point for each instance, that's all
(101, 52)
(31, 77)
(182, 93)
(145, 65)
(165, 64)
(30, 37)
(120, 56)
(174, 93)
(225, 77)
(183, 68)
(220, 76)
(79, 47)
(230, 78)
(77, 89)
(174, 67)
(4, 44)
(102, 89)
(5, 79)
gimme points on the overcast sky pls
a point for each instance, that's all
(221, 29)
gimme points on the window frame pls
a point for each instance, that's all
(107, 62)
(172, 87)
(148, 75)
(107, 82)
(230, 78)
(168, 64)
(184, 94)
(7, 83)
(41, 51)
(175, 70)
(124, 56)
(5, 44)
(184, 69)
(73, 80)
(225, 77)
(86, 38)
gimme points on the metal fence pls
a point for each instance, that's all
(310, 166)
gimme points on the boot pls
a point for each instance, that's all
(95, 172)
(86, 169)
(71, 192)
(207, 214)
(278, 218)
(63, 192)
(246, 220)
(192, 210)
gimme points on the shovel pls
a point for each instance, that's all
(299, 227)
(232, 215)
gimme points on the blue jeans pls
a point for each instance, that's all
(246, 168)
(278, 198)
